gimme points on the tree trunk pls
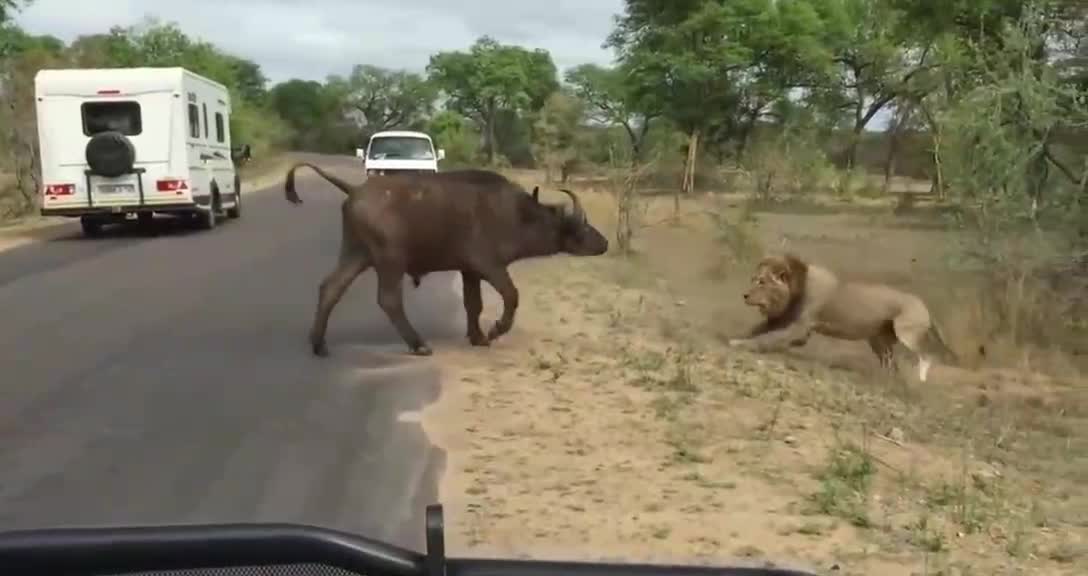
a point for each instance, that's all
(852, 147)
(688, 184)
(1036, 175)
(1084, 183)
(491, 146)
(489, 130)
(894, 131)
(35, 173)
(938, 167)
(745, 137)
(937, 182)
(636, 139)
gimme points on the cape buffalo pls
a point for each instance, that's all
(475, 222)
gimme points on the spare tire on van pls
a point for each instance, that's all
(110, 154)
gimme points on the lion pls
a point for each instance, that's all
(798, 298)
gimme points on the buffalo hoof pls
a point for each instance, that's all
(478, 340)
(320, 349)
(422, 350)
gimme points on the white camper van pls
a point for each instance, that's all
(124, 143)
(398, 151)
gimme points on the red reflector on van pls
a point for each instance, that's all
(108, 92)
(172, 185)
(60, 189)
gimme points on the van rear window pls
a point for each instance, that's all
(123, 117)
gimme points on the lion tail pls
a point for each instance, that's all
(936, 341)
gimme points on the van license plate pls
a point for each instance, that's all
(116, 188)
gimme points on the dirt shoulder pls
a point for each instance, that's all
(259, 175)
(612, 423)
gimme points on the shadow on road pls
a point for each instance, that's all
(159, 226)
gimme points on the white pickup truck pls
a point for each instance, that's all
(400, 151)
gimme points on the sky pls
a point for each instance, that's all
(311, 39)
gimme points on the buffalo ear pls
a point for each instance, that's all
(536, 194)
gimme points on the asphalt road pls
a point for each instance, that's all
(165, 377)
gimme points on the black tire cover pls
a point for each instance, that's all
(110, 154)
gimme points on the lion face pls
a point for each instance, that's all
(770, 290)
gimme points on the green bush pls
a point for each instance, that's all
(260, 127)
(458, 136)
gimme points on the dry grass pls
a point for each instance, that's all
(612, 422)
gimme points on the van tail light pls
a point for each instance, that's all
(60, 189)
(172, 185)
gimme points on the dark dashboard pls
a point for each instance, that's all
(284, 550)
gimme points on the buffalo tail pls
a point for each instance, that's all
(289, 183)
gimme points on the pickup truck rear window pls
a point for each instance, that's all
(123, 117)
(400, 148)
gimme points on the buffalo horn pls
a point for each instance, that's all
(578, 211)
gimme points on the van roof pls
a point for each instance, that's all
(80, 81)
(401, 133)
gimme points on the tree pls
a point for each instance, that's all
(971, 39)
(315, 113)
(7, 7)
(18, 129)
(9, 33)
(490, 78)
(555, 130)
(153, 43)
(456, 135)
(104, 50)
(714, 67)
(681, 54)
(385, 99)
(877, 57)
(301, 102)
(249, 79)
(611, 100)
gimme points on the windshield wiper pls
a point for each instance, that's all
(130, 550)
